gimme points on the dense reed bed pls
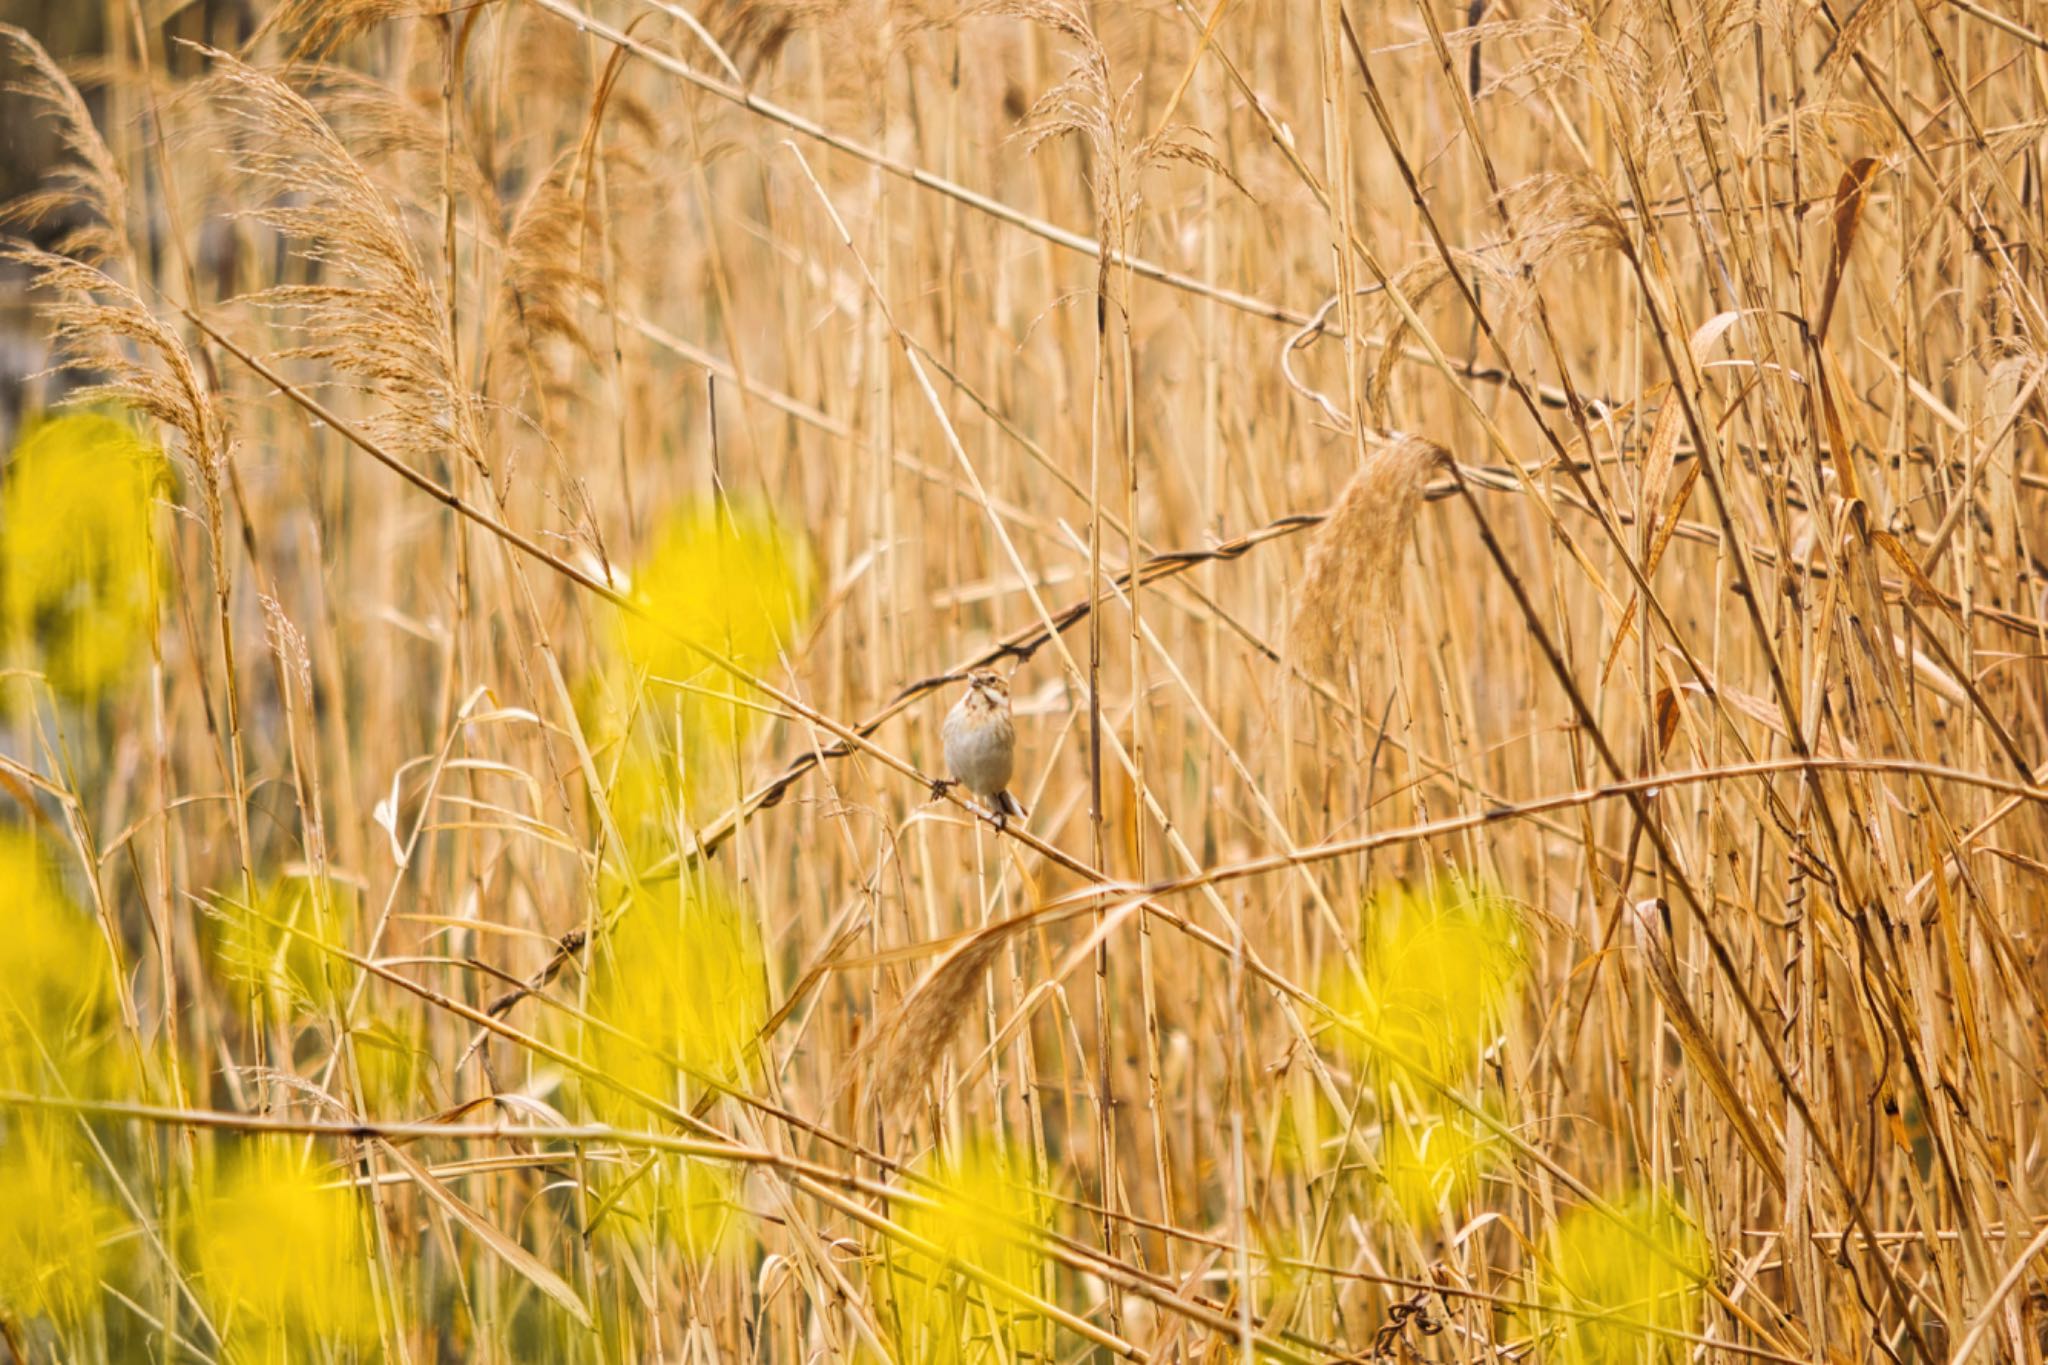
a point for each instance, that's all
(1510, 532)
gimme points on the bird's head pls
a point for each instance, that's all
(988, 686)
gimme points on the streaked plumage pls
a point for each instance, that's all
(981, 743)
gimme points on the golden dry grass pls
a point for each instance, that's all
(1510, 532)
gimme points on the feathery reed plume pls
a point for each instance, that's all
(1560, 219)
(543, 279)
(753, 32)
(929, 1019)
(91, 180)
(1416, 282)
(1842, 52)
(390, 133)
(98, 324)
(381, 319)
(320, 26)
(1086, 103)
(1354, 563)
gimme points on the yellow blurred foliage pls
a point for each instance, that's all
(981, 1220)
(55, 990)
(679, 982)
(259, 951)
(1433, 1164)
(726, 577)
(280, 1257)
(1636, 1277)
(703, 1210)
(1440, 973)
(80, 569)
(645, 797)
(695, 1205)
(52, 1227)
(394, 1061)
(729, 578)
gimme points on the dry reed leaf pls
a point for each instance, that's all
(499, 1243)
(1667, 720)
(1354, 563)
(1659, 457)
(1767, 714)
(1916, 580)
(1936, 678)
(1850, 195)
(1654, 946)
(1658, 461)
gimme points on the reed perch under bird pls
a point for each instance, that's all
(981, 745)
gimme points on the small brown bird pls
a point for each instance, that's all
(981, 744)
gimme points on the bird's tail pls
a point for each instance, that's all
(1007, 804)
